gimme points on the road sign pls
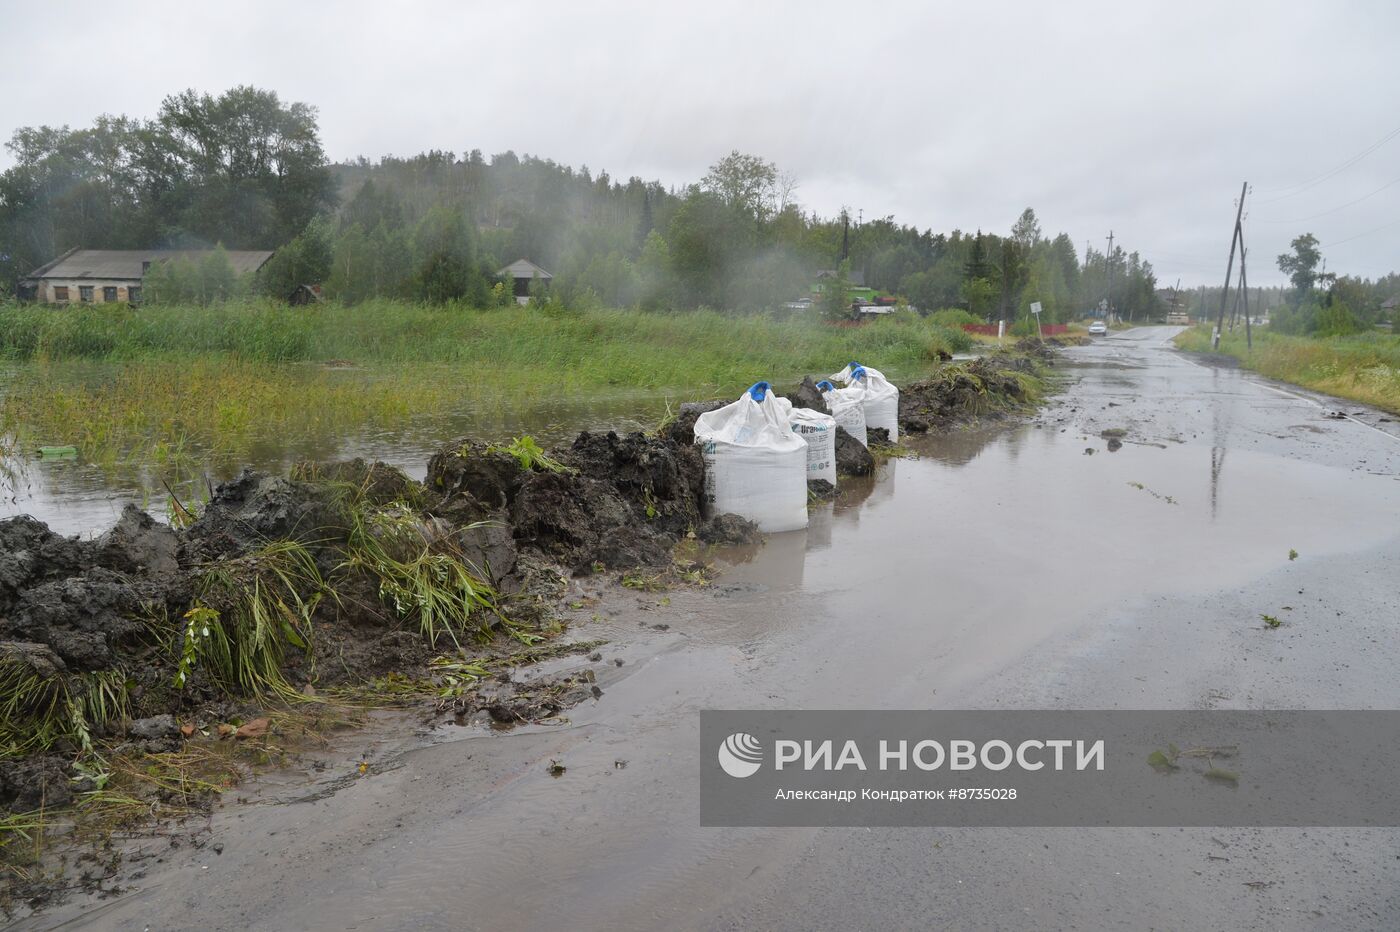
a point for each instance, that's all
(1035, 307)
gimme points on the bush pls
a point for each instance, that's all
(1294, 320)
(955, 338)
(954, 318)
(1337, 320)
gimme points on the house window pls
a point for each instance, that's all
(85, 294)
(109, 293)
(133, 294)
(60, 292)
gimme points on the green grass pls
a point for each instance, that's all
(425, 576)
(159, 385)
(41, 706)
(249, 613)
(1364, 367)
(609, 347)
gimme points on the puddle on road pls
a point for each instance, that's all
(926, 578)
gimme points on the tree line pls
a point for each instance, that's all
(245, 170)
(1326, 304)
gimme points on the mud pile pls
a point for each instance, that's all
(807, 395)
(852, 458)
(964, 393)
(95, 637)
(605, 501)
(77, 605)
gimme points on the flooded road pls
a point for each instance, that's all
(1031, 567)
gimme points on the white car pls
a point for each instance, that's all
(1098, 328)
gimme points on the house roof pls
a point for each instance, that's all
(127, 263)
(523, 268)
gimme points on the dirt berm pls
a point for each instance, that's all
(319, 579)
(959, 394)
(339, 574)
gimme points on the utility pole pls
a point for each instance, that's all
(1108, 297)
(1229, 268)
(1244, 290)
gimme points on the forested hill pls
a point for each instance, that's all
(247, 170)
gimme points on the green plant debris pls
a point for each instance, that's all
(1271, 620)
(255, 609)
(525, 451)
(1292, 555)
(1216, 775)
(1155, 494)
(1174, 759)
(1165, 761)
(423, 574)
(641, 582)
(40, 705)
(892, 451)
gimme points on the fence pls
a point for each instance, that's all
(990, 330)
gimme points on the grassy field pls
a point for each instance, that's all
(138, 387)
(1364, 367)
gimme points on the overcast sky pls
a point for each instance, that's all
(1138, 118)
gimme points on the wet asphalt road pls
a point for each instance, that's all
(1007, 568)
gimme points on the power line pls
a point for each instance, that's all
(1390, 184)
(1384, 226)
(1300, 188)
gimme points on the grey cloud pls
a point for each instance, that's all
(1140, 118)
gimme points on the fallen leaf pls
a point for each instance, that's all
(254, 729)
(187, 730)
(226, 730)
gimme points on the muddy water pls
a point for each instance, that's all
(999, 567)
(74, 497)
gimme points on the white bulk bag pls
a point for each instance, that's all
(881, 397)
(847, 407)
(819, 430)
(755, 466)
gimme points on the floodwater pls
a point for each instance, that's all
(1005, 568)
(74, 497)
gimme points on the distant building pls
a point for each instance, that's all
(108, 276)
(522, 272)
(306, 294)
